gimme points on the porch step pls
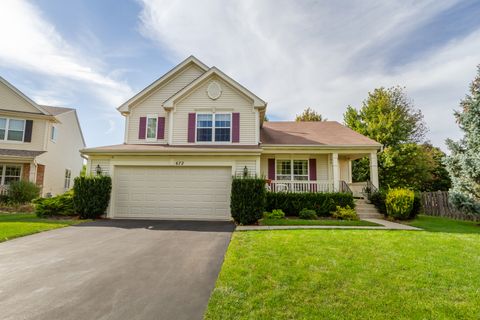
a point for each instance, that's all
(366, 210)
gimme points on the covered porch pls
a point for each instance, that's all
(18, 165)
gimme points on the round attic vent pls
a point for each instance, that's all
(214, 90)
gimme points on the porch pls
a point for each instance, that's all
(18, 165)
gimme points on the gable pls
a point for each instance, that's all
(10, 100)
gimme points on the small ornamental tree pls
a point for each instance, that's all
(463, 163)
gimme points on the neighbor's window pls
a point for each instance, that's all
(152, 128)
(214, 127)
(53, 134)
(10, 173)
(292, 169)
(12, 129)
(68, 178)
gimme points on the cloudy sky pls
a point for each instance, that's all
(93, 55)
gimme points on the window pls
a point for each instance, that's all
(214, 127)
(68, 178)
(10, 173)
(292, 170)
(12, 129)
(53, 134)
(152, 127)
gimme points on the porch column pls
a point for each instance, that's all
(374, 168)
(336, 172)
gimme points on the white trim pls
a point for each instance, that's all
(170, 126)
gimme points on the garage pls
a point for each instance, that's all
(200, 193)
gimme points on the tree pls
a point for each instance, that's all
(387, 116)
(463, 163)
(309, 115)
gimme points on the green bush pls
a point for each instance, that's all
(275, 214)
(378, 199)
(322, 203)
(61, 205)
(22, 191)
(91, 196)
(399, 203)
(345, 213)
(307, 214)
(247, 201)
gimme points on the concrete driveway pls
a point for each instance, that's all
(120, 269)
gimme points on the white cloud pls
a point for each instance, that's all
(326, 55)
(28, 41)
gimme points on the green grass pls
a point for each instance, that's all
(320, 222)
(439, 224)
(20, 224)
(349, 274)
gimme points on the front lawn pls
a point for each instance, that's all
(319, 222)
(439, 224)
(21, 224)
(348, 274)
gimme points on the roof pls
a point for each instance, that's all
(55, 111)
(23, 96)
(20, 153)
(314, 133)
(164, 148)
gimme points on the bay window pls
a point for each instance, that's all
(292, 170)
(12, 129)
(214, 127)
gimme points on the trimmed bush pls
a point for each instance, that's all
(247, 201)
(91, 196)
(61, 205)
(275, 214)
(378, 199)
(346, 213)
(399, 203)
(322, 203)
(307, 214)
(20, 192)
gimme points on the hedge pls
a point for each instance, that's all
(61, 205)
(91, 196)
(322, 203)
(247, 202)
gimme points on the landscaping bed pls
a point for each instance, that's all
(291, 221)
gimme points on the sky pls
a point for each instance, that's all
(93, 55)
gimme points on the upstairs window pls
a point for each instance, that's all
(12, 129)
(214, 127)
(53, 134)
(152, 128)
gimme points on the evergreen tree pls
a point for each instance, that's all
(463, 163)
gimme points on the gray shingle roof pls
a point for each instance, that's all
(20, 153)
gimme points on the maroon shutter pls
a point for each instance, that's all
(312, 174)
(271, 169)
(161, 128)
(236, 127)
(142, 129)
(191, 127)
(28, 131)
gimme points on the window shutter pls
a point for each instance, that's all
(312, 169)
(28, 131)
(271, 169)
(161, 128)
(191, 127)
(236, 127)
(142, 128)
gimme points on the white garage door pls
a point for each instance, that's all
(172, 192)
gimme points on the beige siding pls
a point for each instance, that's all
(103, 163)
(153, 103)
(38, 136)
(62, 154)
(9, 100)
(241, 164)
(230, 101)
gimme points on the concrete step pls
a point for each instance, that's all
(370, 216)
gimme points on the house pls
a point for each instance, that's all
(38, 143)
(190, 131)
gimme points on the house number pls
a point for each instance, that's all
(179, 163)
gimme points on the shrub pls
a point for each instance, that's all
(399, 203)
(307, 214)
(91, 196)
(22, 191)
(378, 199)
(61, 205)
(322, 203)
(345, 213)
(275, 214)
(247, 200)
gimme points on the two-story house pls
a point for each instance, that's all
(38, 143)
(194, 128)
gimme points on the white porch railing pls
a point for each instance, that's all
(300, 186)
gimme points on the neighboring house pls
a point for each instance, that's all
(38, 143)
(194, 128)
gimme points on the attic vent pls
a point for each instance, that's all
(214, 90)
